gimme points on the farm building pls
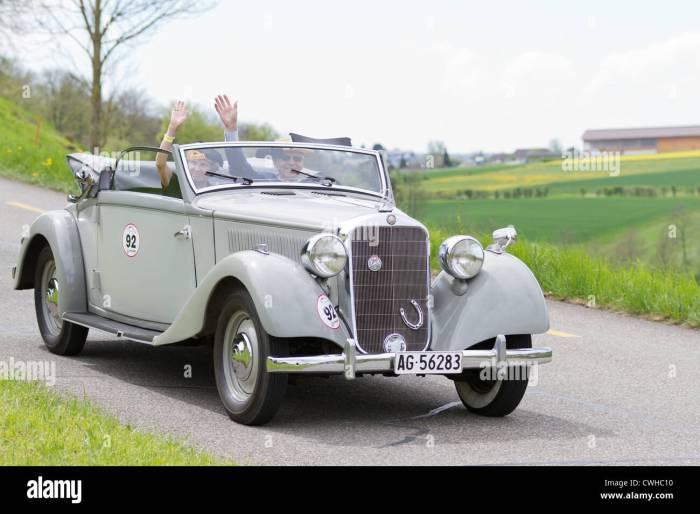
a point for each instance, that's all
(533, 154)
(643, 140)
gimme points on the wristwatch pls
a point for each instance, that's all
(168, 139)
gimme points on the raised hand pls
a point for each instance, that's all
(178, 115)
(227, 111)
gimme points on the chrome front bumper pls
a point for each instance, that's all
(350, 363)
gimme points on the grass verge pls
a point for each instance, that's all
(41, 428)
(32, 151)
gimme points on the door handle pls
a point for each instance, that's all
(184, 233)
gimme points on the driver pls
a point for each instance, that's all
(289, 160)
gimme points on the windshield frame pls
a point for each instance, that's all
(385, 193)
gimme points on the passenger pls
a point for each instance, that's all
(177, 118)
(203, 161)
(199, 162)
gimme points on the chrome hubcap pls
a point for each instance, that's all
(50, 291)
(241, 356)
(241, 353)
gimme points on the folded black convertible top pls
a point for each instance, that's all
(340, 141)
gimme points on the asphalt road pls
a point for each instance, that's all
(620, 390)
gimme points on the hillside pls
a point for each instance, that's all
(31, 150)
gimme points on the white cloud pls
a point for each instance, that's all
(674, 60)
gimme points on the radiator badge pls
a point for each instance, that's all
(374, 263)
(417, 324)
(394, 343)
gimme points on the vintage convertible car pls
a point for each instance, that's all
(289, 258)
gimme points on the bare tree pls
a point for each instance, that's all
(13, 15)
(100, 27)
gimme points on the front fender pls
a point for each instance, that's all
(284, 294)
(58, 229)
(504, 298)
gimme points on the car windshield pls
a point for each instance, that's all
(211, 166)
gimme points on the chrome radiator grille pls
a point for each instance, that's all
(379, 296)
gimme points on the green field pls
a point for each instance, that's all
(649, 214)
(556, 219)
(681, 179)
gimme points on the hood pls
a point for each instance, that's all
(303, 209)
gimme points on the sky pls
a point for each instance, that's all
(479, 76)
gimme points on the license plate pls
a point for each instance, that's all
(420, 363)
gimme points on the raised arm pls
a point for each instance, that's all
(228, 113)
(177, 117)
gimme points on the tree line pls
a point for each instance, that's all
(129, 115)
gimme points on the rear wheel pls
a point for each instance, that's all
(494, 397)
(249, 393)
(61, 337)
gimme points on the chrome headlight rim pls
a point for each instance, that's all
(447, 251)
(311, 261)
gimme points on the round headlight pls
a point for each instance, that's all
(461, 256)
(324, 255)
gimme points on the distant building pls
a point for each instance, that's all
(533, 154)
(398, 159)
(500, 158)
(643, 140)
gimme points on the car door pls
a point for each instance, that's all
(144, 250)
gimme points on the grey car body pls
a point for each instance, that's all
(192, 250)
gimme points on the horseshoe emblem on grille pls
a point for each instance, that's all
(419, 323)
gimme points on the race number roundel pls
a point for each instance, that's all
(327, 312)
(131, 239)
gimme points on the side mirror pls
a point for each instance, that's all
(85, 181)
(84, 178)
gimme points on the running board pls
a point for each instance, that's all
(122, 330)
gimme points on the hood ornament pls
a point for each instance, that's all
(385, 205)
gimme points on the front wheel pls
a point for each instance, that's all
(249, 393)
(494, 397)
(61, 337)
